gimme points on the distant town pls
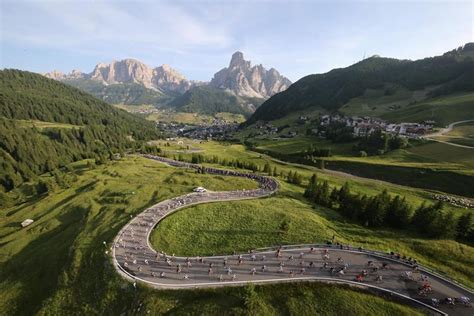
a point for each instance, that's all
(218, 129)
(361, 126)
(221, 129)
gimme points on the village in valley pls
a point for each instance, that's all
(217, 129)
(361, 126)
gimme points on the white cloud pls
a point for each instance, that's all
(75, 25)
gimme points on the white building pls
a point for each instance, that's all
(27, 222)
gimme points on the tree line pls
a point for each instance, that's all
(382, 210)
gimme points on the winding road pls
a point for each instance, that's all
(136, 260)
(446, 130)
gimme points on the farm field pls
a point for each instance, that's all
(59, 263)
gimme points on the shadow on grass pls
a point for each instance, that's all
(37, 266)
(29, 202)
(60, 204)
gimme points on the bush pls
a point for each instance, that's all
(284, 226)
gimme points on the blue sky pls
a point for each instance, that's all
(198, 37)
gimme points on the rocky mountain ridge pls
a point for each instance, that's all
(131, 71)
(239, 88)
(239, 78)
(246, 80)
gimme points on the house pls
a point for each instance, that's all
(302, 120)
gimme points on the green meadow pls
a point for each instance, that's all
(443, 110)
(60, 265)
(359, 184)
(411, 106)
(256, 223)
(422, 164)
(220, 228)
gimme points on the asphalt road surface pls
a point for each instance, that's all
(136, 260)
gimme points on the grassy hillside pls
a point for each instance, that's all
(208, 100)
(100, 130)
(462, 134)
(58, 265)
(445, 75)
(443, 110)
(230, 152)
(420, 165)
(411, 106)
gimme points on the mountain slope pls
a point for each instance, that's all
(97, 129)
(123, 93)
(247, 81)
(239, 88)
(449, 73)
(209, 100)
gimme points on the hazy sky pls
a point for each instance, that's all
(198, 37)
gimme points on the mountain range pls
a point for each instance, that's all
(377, 86)
(241, 86)
(131, 71)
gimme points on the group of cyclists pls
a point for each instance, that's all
(291, 265)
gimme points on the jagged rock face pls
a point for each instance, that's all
(163, 78)
(170, 79)
(247, 81)
(76, 74)
(56, 75)
(124, 71)
(240, 78)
